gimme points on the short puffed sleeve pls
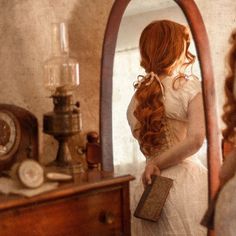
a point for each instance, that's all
(190, 89)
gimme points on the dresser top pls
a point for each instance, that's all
(81, 183)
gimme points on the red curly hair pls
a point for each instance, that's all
(229, 116)
(162, 44)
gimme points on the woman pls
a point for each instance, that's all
(166, 117)
(225, 212)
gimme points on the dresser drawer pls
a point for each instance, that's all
(98, 212)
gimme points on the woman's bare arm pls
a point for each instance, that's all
(190, 145)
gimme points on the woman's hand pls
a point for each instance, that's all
(150, 169)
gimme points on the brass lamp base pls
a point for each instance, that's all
(62, 123)
(63, 154)
(64, 162)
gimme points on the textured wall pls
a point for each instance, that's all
(220, 19)
(25, 44)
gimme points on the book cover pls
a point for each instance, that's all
(153, 198)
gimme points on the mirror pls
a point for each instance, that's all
(127, 67)
(199, 34)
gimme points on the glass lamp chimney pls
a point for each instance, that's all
(61, 72)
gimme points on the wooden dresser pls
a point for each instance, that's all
(94, 203)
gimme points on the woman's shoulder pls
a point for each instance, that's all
(192, 83)
(184, 86)
(189, 90)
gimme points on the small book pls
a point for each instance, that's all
(153, 198)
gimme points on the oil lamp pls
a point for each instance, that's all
(61, 75)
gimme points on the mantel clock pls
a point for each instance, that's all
(18, 135)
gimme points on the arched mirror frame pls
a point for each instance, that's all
(199, 33)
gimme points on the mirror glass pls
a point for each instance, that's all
(127, 67)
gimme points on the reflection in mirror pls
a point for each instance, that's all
(126, 149)
(127, 68)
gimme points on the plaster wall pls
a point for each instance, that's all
(220, 20)
(25, 45)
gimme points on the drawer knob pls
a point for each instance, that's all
(107, 217)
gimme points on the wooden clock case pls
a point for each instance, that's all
(26, 139)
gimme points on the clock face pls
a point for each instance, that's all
(8, 133)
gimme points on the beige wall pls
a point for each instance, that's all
(220, 19)
(25, 44)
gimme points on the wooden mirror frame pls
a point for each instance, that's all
(199, 33)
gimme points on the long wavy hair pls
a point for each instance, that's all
(162, 44)
(229, 116)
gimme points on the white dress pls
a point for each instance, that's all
(225, 212)
(187, 200)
